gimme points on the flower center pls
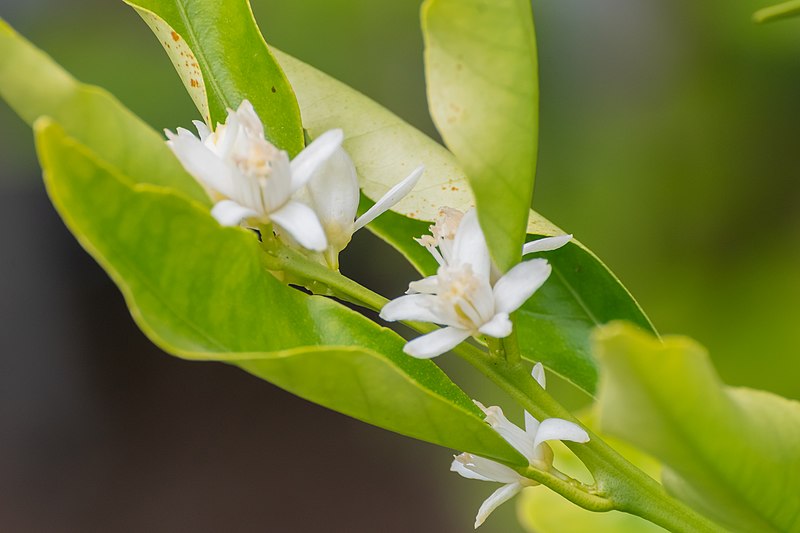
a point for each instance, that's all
(262, 182)
(443, 234)
(461, 292)
(255, 159)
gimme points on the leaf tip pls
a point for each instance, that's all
(5, 27)
(45, 129)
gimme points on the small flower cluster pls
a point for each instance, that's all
(312, 199)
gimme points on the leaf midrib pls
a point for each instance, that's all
(209, 79)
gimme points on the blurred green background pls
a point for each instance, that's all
(668, 146)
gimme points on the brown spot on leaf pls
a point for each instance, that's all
(194, 83)
(175, 37)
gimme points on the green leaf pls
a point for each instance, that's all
(384, 148)
(201, 291)
(221, 57)
(482, 79)
(556, 324)
(732, 453)
(34, 85)
(781, 11)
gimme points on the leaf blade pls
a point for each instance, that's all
(482, 80)
(556, 324)
(737, 459)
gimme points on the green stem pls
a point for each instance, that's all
(495, 347)
(293, 262)
(620, 484)
(511, 348)
(506, 348)
(570, 489)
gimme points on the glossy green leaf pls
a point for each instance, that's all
(781, 11)
(34, 85)
(556, 324)
(483, 93)
(732, 453)
(221, 57)
(201, 291)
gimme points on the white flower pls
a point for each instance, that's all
(333, 194)
(530, 442)
(461, 296)
(249, 178)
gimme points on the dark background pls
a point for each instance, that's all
(669, 146)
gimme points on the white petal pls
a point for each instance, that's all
(394, 195)
(314, 155)
(416, 307)
(277, 190)
(183, 132)
(498, 497)
(202, 163)
(429, 285)
(436, 342)
(229, 213)
(538, 374)
(512, 433)
(531, 426)
(519, 284)
(202, 129)
(459, 467)
(558, 429)
(248, 118)
(302, 224)
(546, 245)
(484, 469)
(470, 245)
(334, 191)
(227, 135)
(498, 327)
